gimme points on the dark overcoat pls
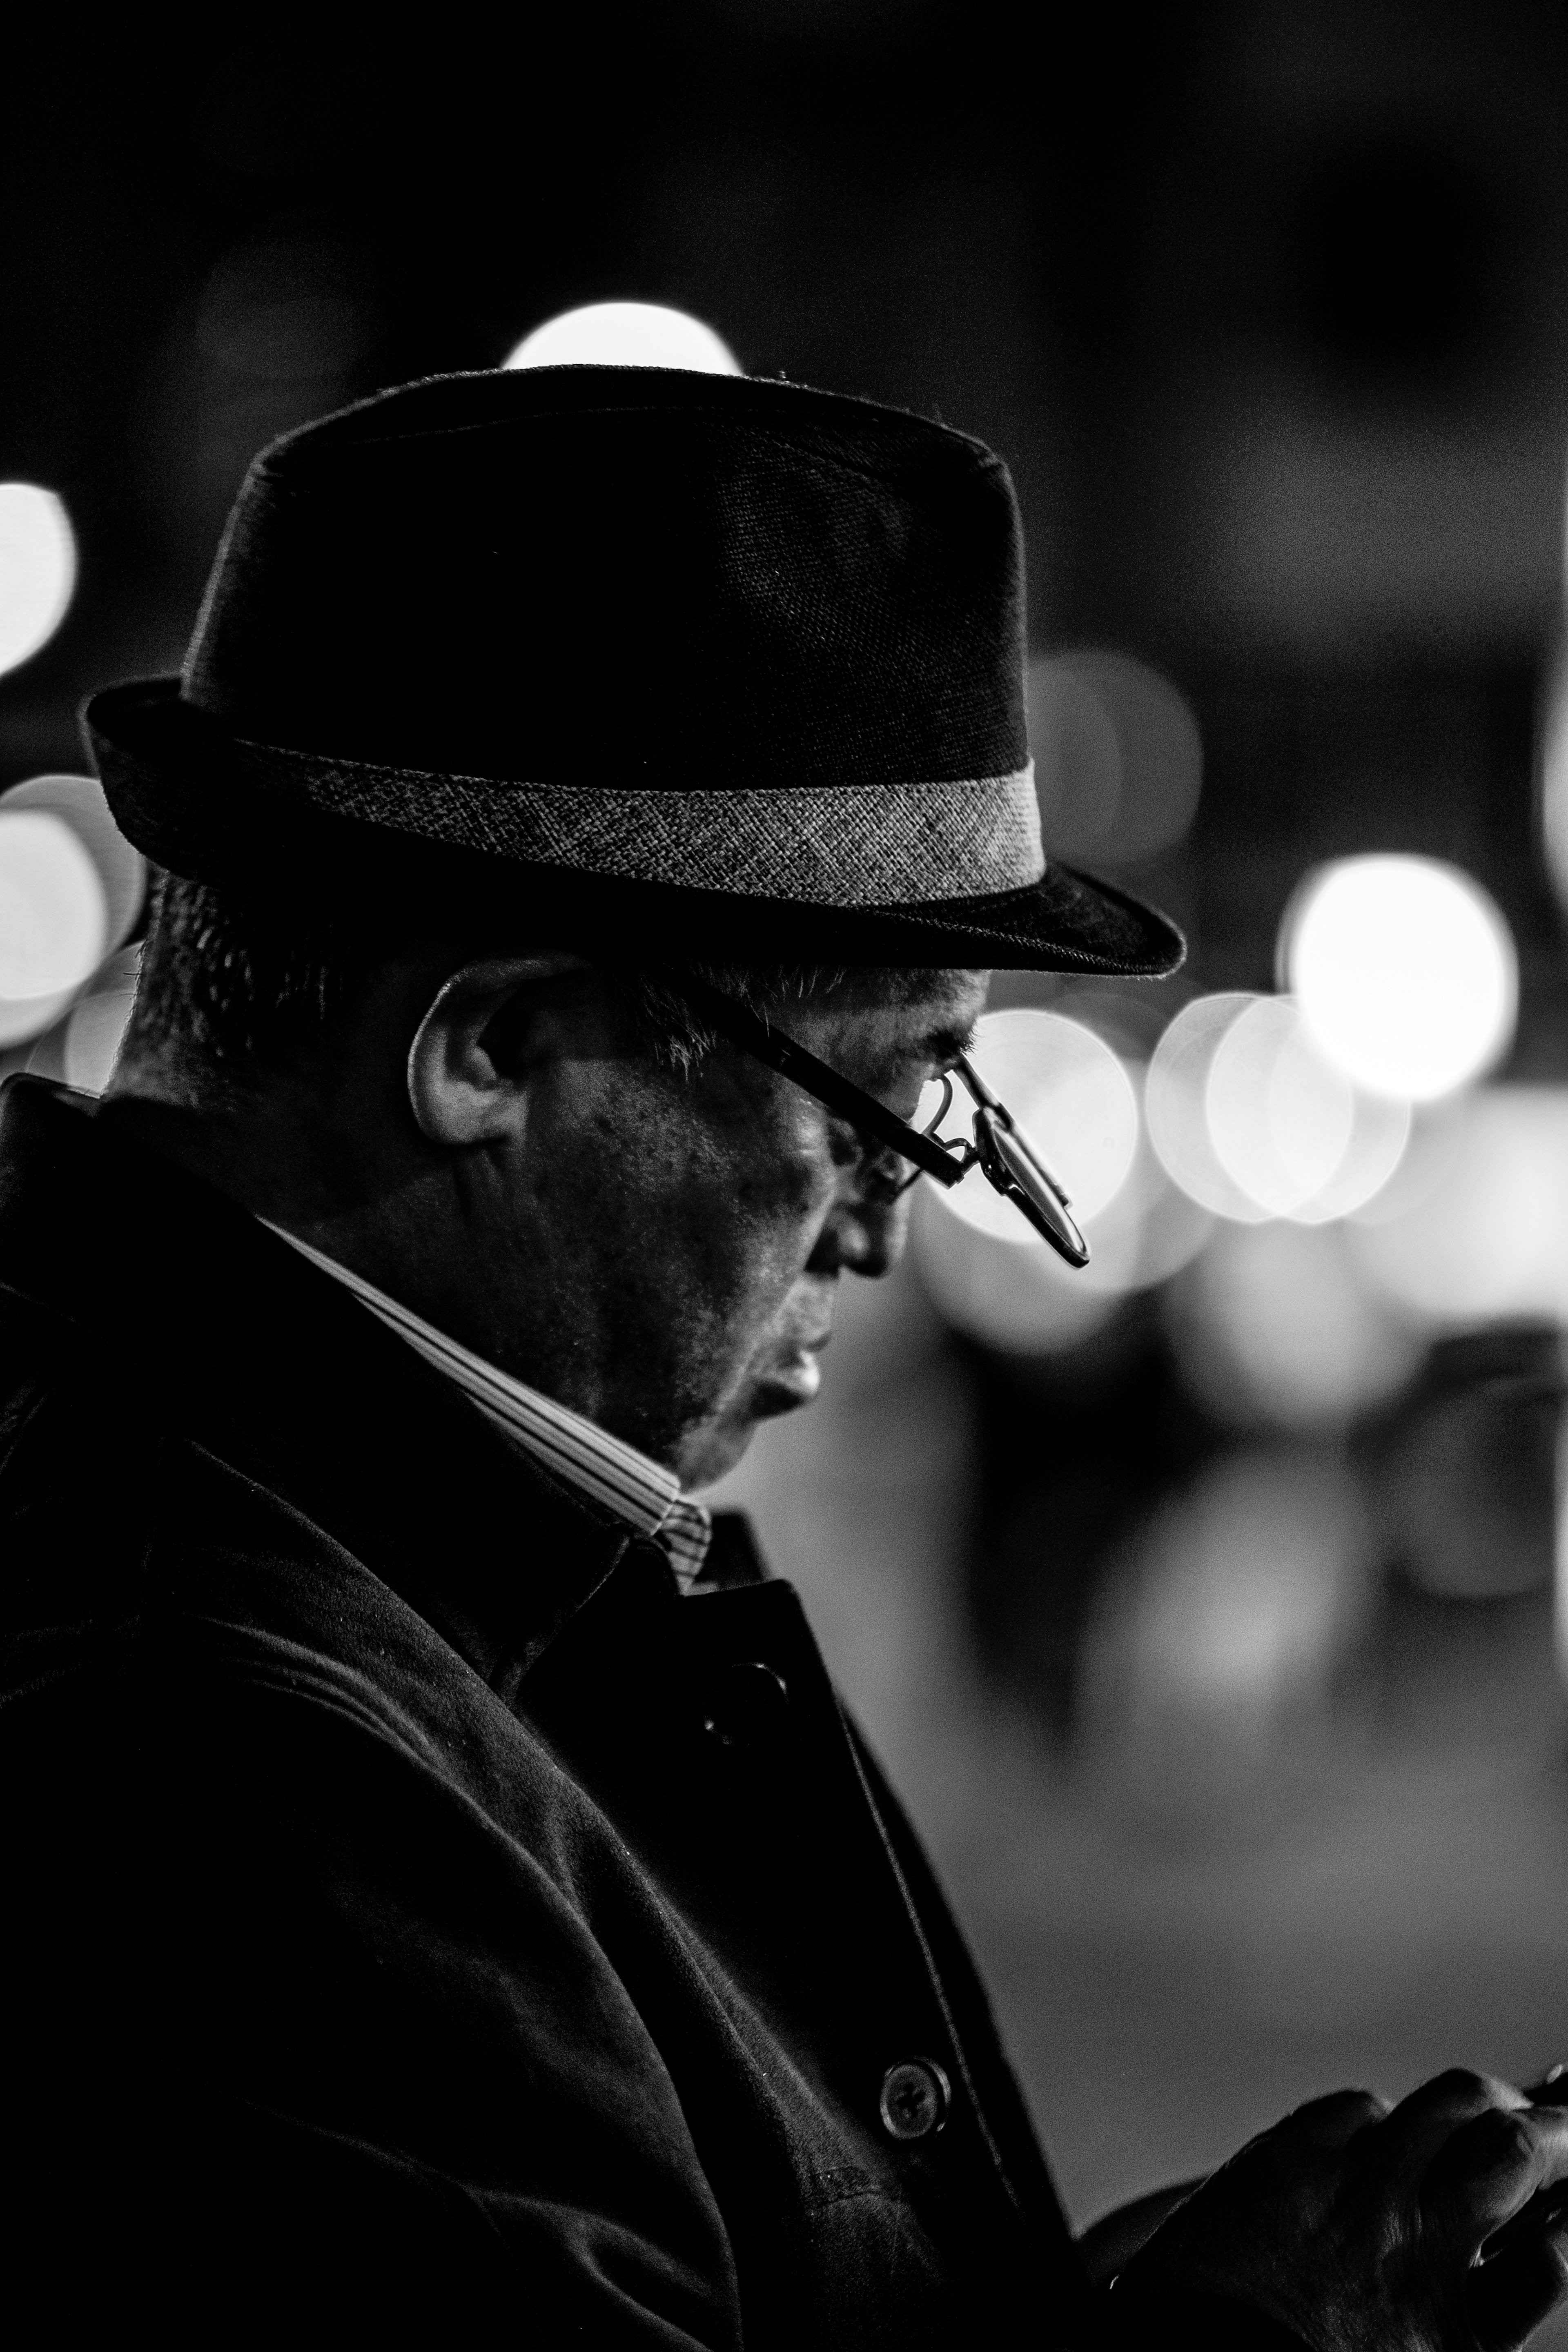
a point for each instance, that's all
(419, 1918)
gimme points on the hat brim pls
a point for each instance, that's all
(178, 794)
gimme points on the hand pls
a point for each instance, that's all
(1363, 2226)
(1108, 2244)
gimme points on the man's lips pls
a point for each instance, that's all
(795, 1379)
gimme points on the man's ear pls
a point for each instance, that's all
(471, 1052)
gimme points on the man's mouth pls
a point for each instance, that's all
(793, 1379)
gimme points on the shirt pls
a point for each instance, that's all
(637, 1490)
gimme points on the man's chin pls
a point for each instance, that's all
(720, 1448)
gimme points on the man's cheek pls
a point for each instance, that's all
(736, 1307)
(750, 1241)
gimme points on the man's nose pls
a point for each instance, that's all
(862, 1236)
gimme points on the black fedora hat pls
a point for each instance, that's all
(717, 664)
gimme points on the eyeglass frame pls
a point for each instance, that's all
(1005, 1156)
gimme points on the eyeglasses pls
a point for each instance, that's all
(996, 1145)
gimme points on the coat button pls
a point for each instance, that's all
(916, 2095)
(747, 1704)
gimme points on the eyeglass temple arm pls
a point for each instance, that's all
(1003, 1117)
(1021, 1172)
(747, 1029)
(1012, 1165)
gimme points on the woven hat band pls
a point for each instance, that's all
(827, 846)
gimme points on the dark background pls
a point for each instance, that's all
(1264, 304)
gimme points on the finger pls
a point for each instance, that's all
(1551, 2091)
(1542, 2212)
(1510, 2297)
(1492, 2166)
(1334, 2119)
(1405, 2142)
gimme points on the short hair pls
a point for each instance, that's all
(236, 990)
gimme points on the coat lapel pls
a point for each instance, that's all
(708, 1730)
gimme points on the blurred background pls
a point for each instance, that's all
(1208, 1605)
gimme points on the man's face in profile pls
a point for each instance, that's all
(695, 1227)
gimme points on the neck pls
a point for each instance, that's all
(323, 1168)
(264, 1147)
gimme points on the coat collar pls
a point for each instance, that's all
(240, 1343)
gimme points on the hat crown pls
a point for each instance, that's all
(622, 653)
(640, 574)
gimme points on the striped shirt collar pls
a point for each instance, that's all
(605, 1468)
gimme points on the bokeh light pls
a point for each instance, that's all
(79, 802)
(1149, 1230)
(1274, 1325)
(626, 334)
(1022, 1301)
(1279, 1116)
(54, 915)
(986, 1270)
(37, 569)
(1118, 756)
(1175, 1104)
(1481, 1235)
(1373, 1152)
(71, 887)
(1243, 1591)
(1435, 1133)
(22, 1017)
(1028, 1299)
(1405, 972)
(1249, 1119)
(1074, 1100)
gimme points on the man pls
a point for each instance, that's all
(446, 1894)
